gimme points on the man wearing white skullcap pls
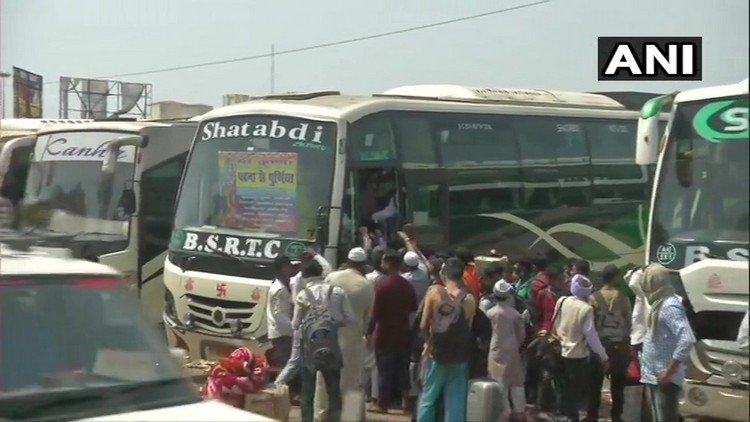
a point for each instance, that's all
(504, 363)
(361, 294)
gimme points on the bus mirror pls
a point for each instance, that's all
(321, 230)
(113, 150)
(647, 142)
(127, 202)
(647, 139)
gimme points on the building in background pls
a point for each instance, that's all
(230, 99)
(177, 110)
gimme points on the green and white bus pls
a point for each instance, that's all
(698, 227)
(525, 172)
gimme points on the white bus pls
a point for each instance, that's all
(15, 147)
(524, 172)
(699, 227)
(106, 190)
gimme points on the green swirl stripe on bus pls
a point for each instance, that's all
(723, 121)
(627, 255)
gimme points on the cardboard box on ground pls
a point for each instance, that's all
(271, 402)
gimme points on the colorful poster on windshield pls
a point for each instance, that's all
(259, 190)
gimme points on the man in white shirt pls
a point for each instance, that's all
(309, 255)
(416, 274)
(638, 327)
(315, 289)
(279, 312)
(361, 295)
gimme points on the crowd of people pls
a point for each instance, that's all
(408, 329)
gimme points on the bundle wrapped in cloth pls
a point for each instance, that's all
(234, 377)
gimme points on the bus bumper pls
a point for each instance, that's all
(715, 402)
(203, 346)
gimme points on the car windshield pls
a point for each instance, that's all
(258, 174)
(76, 334)
(703, 185)
(66, 180)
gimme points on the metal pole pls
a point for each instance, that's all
(273, 69)
(3, 76)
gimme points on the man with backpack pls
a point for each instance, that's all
(321, 310)
(446, 324)
(612, 318)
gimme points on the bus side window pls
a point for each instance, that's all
(483, 164)
(159, 187)
(616, 176)
(371, 140)
(573, 163)
(415, 140)
(536, 140)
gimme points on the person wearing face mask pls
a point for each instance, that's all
(667, 345)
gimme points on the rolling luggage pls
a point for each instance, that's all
(487, 401)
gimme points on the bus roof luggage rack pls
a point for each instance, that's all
(503, 96)
(632, 100)
(297, 96)
(117, 119)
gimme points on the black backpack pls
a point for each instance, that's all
(450, 333)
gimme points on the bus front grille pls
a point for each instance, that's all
(215, 315)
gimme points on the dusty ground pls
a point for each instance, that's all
(398, 416)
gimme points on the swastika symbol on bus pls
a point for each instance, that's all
(221, 290)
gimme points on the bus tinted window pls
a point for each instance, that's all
(616, 176)
(415, 140)
(372, 140)
(475, 141)
(612, 139)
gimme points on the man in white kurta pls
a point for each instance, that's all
(361, 295)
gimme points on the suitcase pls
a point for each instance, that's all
(487, 401)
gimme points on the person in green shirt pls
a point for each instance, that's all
(522, 271)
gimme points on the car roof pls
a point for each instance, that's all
(40, 261)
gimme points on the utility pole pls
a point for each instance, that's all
(3, 76)
(273, 69)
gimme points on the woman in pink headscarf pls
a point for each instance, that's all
(235, 376)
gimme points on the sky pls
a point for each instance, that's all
(548, 46)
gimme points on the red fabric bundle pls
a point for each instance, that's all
(235, 376)
(634, 368)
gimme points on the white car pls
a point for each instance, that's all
(73, 346)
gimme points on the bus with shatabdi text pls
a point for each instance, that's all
(522, 171)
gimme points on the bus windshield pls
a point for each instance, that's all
(259, 175)
(66, 179)
(702, 193)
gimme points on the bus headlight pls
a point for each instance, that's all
(169, 306)
(732, 372)
(697, 397)
(189, 322)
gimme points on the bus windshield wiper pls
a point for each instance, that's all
(236, 258)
